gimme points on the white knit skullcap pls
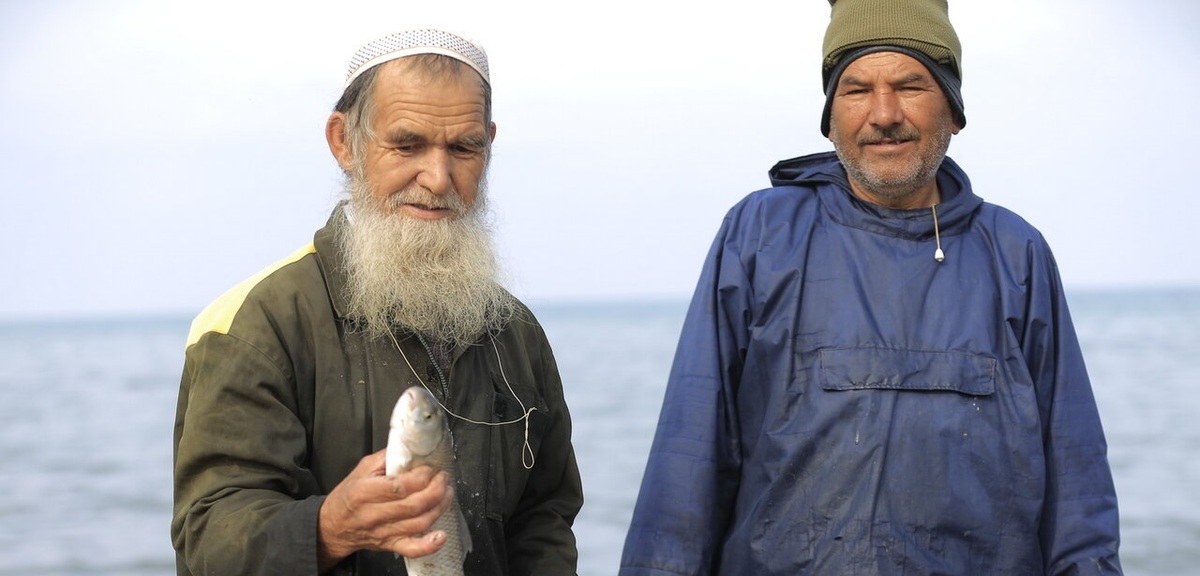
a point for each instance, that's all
(413, 42)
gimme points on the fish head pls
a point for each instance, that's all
(420, 420)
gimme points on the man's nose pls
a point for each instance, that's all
(886, 109)
(434, 172)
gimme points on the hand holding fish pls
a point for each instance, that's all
(419, 437)
(372, 511)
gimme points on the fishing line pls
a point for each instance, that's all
(527, 457)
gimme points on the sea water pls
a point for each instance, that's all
(87, 408)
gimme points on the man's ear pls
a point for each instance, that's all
(335, 135)
(492, 132)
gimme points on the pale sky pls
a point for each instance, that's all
(158, 152)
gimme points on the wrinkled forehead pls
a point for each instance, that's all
(429, 86)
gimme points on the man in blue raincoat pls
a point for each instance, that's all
(878, 374)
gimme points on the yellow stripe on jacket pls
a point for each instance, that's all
(218, 316)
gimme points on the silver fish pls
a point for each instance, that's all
(419, 435)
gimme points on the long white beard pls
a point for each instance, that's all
(439, 278)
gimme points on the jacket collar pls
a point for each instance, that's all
(329, 258)
(824, 174)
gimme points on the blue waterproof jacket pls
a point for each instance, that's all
(841, 403)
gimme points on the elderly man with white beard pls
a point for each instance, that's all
(290, 377)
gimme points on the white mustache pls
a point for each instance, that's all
(423, 197)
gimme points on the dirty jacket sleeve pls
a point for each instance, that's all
(253, 504)
(692, 476)
(1079, 526)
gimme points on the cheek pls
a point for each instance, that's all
(843, 128)
(390, 174)
(849, 113)
(932, 116)
(467, 192)
(467, 177)
(840, 139)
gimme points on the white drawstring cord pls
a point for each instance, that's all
(937, 254)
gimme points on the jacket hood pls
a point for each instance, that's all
(824, 175)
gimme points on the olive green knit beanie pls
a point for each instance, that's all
(919, 27)
(923, 25)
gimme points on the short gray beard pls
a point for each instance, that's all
(437, 278)
(899, 190)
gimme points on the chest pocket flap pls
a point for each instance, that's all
(892, 369)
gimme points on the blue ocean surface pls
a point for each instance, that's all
(87, 408)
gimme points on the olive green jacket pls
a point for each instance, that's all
(280, 398)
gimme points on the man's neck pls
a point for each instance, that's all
(912, 199)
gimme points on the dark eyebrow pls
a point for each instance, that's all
(915, 77)
(404, 138)
(474, 140)
(401, 137)
(852, 81)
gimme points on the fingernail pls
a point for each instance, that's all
(437, 537)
